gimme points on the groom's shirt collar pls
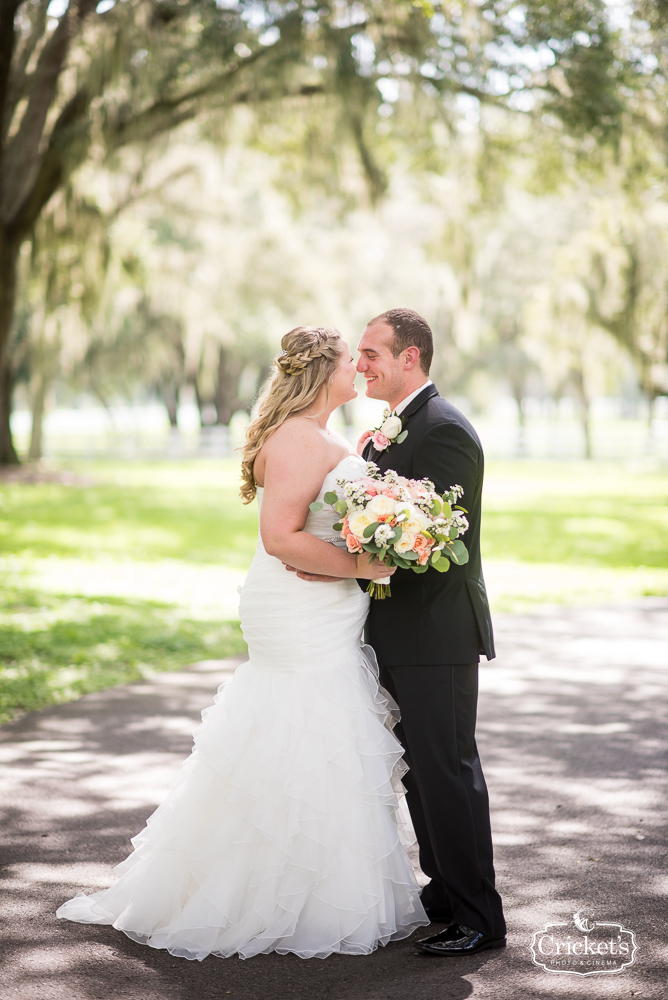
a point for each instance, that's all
(409, 399)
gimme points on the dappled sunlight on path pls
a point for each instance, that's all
(572, 738)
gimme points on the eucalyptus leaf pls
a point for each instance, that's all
(398, 532)
(369, 530)
(341, 507)
(459, 553)
(447, 509)
(401, 437)
(370, 547)
(316, 505)
(435, 556)
(453, 533)
(442, 566)
(337, 527)
(330, 497)
(411, 556)
(436, 507)
(419, 569)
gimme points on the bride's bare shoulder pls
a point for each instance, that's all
(294, 431)
(295, 440)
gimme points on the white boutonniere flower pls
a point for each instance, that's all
(390, 431)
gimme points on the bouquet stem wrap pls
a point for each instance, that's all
(380, 589)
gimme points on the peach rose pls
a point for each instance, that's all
(352, 544)
(417, 492)
(421, 544)
(390, 494)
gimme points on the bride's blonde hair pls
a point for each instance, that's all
(309, 358)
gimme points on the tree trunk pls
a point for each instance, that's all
(201, 402)
(227, 400)
(650, 438)
(9, 251)
(577, 378)
(38, 401)
(169, 393)
(518, 394)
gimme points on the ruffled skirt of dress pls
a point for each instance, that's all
(280, 831)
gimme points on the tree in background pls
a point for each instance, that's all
(93, 79)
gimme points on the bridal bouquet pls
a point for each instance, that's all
(403, 522)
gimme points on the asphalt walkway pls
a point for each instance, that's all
(572, 735)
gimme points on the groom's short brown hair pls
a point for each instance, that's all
(410, 330)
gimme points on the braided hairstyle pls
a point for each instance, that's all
(309, 358)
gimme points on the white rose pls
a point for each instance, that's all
(405, 543)
(391, 427)
(358, 521)
(381, 505)
(417, 522)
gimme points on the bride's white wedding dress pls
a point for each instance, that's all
(280, 830)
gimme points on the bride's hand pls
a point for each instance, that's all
(363, 440)
(376, 570)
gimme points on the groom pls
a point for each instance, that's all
(428, 638)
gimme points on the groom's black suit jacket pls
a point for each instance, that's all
(435, 618)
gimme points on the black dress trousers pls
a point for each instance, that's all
(446, 790)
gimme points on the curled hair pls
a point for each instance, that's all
(309, 358)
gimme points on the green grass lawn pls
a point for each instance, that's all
(55, 648)
(184, 510)
(584, 514)
(551, 532)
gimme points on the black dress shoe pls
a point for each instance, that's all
(457, 939)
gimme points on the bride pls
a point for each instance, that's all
(280, 831)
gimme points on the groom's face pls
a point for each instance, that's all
(385, 375)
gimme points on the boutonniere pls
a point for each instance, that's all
(390, 431)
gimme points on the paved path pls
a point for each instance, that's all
(572, 736)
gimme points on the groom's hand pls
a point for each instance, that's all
(313, 577)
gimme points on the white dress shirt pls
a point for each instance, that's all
(409, 399)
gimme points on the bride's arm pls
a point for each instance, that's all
(296, 463)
